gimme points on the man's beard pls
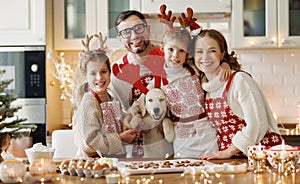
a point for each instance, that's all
(140, 50)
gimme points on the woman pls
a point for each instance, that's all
(236, 108)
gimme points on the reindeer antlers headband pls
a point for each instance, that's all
(185, 21)
(99, 37)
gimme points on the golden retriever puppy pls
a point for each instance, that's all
(148, 114)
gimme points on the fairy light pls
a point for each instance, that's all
(64, 74)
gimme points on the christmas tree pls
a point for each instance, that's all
(10, 125)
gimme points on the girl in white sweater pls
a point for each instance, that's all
(237, 108)
(194, 135)
(97, 120)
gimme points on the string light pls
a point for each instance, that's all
(64, 74)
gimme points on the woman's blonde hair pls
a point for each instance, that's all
(176, 33)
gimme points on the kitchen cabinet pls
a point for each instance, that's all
(265, 23)
(22, 22)
(73, 19)
(177, 6)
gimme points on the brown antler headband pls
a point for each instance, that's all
(166, 18)
(86, 44)
(102, 41)
(188, 21)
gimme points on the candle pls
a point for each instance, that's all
(275, 116)
(12, 171)
(282, 145)
(112, 178)
(42, 169)
(283, 153)
(255, 152)
(259, 147)
(260, 154)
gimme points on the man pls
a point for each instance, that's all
(134, 32)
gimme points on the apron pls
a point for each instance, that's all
(227, 124)
(194, 135)
(137, 149)
(111, 113)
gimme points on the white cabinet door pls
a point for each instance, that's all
(22, 22)
(177, 6)
(288, 23)
(265, 21)
(72, 21)
(278, 19)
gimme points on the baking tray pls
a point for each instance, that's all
(160, 166)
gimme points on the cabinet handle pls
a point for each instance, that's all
(273, 40)
(289, 43)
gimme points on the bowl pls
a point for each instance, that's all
(39, 151)
(276, 152)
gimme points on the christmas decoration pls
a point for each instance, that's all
(10, 125)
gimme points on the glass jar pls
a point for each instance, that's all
(12, 171)
(42, 169)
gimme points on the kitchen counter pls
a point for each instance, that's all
(180, 178)
(291, 135)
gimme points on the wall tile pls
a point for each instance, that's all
(291, 78)
(272, 57)
(272, 79)
(297, 68)
(262, 68)
(283, 90)
(297, 90)
(284, 69)
(291, 56)
(249, 58)
(277, 72)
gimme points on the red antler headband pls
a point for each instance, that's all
(188, 21)
(167, 19)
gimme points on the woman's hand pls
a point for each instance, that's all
(228, 153)
(224, 71)
(216, 155)
(129, 136)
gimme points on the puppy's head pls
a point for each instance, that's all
(155, 104)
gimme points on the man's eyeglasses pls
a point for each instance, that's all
(138, 29)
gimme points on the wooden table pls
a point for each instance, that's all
(179, 178)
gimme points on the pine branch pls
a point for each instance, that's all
(13, 126)
(4, 84)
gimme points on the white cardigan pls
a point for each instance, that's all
(247, 101)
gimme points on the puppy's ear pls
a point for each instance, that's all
(142, 104)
